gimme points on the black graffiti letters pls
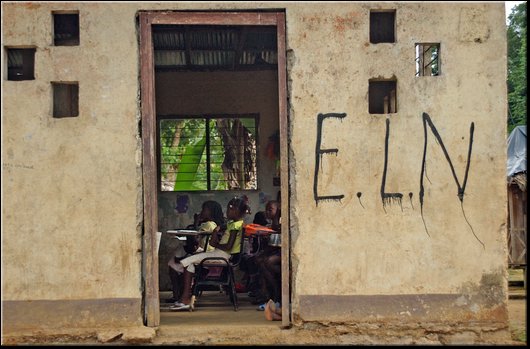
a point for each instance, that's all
(318, 156)
(461, 188)
(388, 197)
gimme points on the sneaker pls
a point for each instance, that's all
(180, 306)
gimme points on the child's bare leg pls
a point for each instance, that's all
(176, 283)
(271, 271)
(186, 293)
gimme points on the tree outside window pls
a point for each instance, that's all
(208, 153)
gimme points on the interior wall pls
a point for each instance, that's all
(196, 93)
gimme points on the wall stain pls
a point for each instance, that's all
(347, 22)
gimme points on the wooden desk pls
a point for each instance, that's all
(187, 232)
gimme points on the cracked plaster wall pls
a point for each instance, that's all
(72, 188)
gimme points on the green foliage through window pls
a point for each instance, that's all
(208, 153)
(427, 59)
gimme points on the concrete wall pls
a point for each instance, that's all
(72, 187)
(223, 93)
(73, 202)
(404, 259)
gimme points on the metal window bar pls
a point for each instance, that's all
(245, 174)
(429, 53)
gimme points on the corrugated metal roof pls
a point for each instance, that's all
(214, 47)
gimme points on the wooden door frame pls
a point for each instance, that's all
(149, 170)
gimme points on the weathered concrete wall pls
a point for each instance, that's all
(395, 261)
(72, 195)
(223, 93)
(73, 202)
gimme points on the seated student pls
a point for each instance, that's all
(175, 269)
(263, 264)
(210, 217)
(225, 240)
(269, 262)
(248, 262)
(270, 270)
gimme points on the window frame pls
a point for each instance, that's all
(27, 56)
(420, 58)
(374, 38)
(207, 116)
(372, 107)
(70, 89)
(60, 16)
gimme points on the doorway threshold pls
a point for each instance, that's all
(213, 320)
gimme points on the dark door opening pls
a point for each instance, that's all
(216, 105)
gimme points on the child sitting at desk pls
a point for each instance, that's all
(269, 261)
(210, 217)
(257, 261)
(225, 240)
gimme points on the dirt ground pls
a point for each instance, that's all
(517, 304)
(168, 333)
(517, 316)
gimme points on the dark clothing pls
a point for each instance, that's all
(260, 218)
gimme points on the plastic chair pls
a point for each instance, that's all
(218, 273)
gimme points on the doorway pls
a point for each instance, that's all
(210, 68)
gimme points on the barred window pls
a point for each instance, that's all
(427, 59)
(208, 152)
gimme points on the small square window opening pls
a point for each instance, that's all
(382, 26)
(428, 59)
(66, 29)
(20, 64)
(65, 99)
(382, 97)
